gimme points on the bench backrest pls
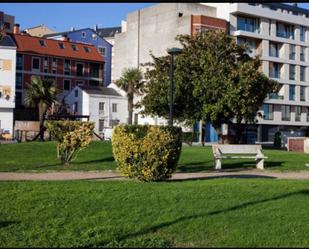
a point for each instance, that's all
(236, 149)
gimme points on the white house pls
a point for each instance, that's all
(105, 106)
(7, 83)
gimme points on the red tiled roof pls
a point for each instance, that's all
(31, 44)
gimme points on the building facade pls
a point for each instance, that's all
(154, 29)
(7, 21)
(68, 63)
(279, 33)
(7, 84)
(89, 36)
(39, 30)
(104, 106)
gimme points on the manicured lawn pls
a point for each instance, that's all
(38, 156)
(201, 213)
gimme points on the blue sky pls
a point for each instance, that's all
(63, 16)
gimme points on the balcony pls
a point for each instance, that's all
(274, 96)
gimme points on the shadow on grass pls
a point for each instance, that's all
(102, 160)
(7, 223)
(239, 176)
(155, 228)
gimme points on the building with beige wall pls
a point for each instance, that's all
(39, 30)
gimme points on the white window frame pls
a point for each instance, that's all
(83, 34)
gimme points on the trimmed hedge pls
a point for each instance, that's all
(146, 152)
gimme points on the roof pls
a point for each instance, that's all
(288, 7)
(7, 41)
(108, 32)
(38, 26)
(64, 32)
(30, 44)
(100, 90)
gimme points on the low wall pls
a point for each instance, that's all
(298, 144)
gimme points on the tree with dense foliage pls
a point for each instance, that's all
(132, 83)
(40, 93)
(215, 81)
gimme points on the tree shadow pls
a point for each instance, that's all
(105, 159)
(155, 228)
(238, 176)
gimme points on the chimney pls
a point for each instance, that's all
(96, 28)
(72, 29)
(16, 29)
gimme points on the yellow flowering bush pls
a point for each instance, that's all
(147, 153)
(72, 136)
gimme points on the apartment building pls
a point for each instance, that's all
(39, 30)
(7, 84)
(154, 29)
(279, 33)
(90, 36)
(7, 21)
(68, 63)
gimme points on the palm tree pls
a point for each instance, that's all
(132, 83)
(40, 93)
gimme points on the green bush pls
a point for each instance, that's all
(189, 137)
(72, 136)
(147, 153)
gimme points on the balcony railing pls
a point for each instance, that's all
(274, 96)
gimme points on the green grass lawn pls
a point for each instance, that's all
(41, 156)
(200, 213)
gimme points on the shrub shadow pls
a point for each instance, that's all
(7, 223)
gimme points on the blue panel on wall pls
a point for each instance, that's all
(211, 134)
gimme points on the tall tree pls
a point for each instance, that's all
(215, 80)
(132, 83)
(40, 93)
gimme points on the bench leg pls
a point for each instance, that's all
(260, 163)
(217, 163)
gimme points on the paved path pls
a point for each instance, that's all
(108, 175)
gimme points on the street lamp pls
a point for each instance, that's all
(172, 52)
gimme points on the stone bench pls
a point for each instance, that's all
(235, 151)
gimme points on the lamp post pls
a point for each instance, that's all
(172, 52)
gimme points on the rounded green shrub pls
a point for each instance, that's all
(146, 152)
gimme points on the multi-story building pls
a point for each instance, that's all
(68, 63)
(154, 29)
(279, 33)
(109, 35)
(90, 36)
(7, 84)
(7, 21)
(39, 30)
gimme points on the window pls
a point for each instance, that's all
(302, 93)
(101, 125)
(302, 73)
(87, 50)
(76, 93)
(45, 62)
(45, 70)
(114, 107)
(54, 64)
(35, 63)
(42, 43)
(18, 99)
(285, 30)
(114, 122)
(307, 114)
(248, 24)
(302, 53)
(67, 85)
(268, 110)
(286, 113)
(75, 107)
(297, 113)
(83, 34)
(74, 47)
(19, 81)
(61, 45)
(250, 44)
(66, 67)
(291, 92)
(292, 72)
(79, 69)
(302, 33)
(273, 49)
(79, 82)
(94, 36)
(274, 70)
(19, 62)
(269, 27)
(292, 52)
(101, 50)
(101, 107)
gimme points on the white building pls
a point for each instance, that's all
(105, 106)
(280, 34)
(7, 83)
